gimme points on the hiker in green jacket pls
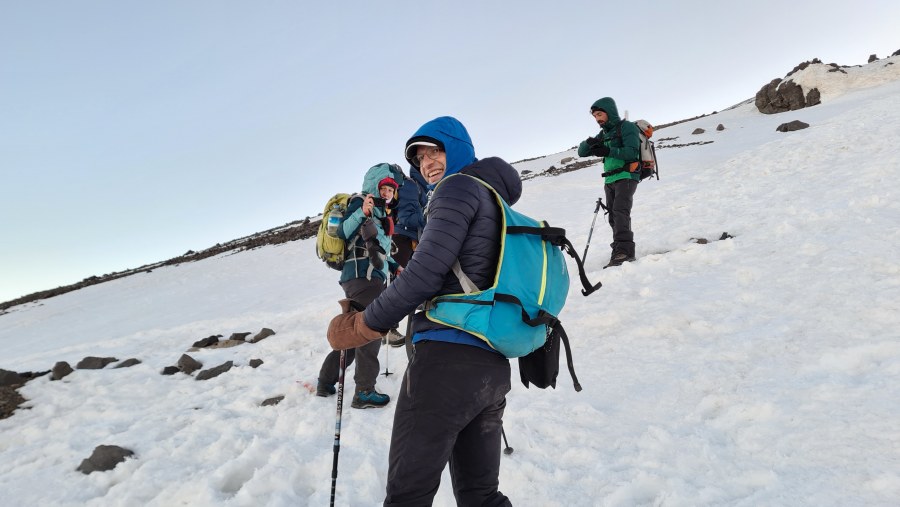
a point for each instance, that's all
(619, 145)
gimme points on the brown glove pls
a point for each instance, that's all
(348, 330)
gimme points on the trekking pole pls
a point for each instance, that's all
(508, 449)
(591, 232)
(387, 351)
(337, 425)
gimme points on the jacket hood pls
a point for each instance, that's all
(379, 172)
(609, 105)
(452, 136)
(497, 173)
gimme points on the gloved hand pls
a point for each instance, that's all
(599, 150)
(367, 230)
(348, 330)
(592, 141)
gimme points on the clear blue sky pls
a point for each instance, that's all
(131, 132)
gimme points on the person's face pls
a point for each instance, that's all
(387, 192)
(600, 116)
(432, 163)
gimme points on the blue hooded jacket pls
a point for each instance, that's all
(451, 135)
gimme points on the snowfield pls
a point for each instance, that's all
(760, 369)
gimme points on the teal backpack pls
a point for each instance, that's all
(518, 314)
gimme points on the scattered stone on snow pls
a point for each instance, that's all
(272, 401)
(188, 364)
(262, 335)
(256, 363)
(698, 131)
(720, 127)
(60, 370)
(170, 370)
(216, 371)
(239, 336)
(792, 126)
(104, 457)
(206, 342)
(94, 363)
(128, 363)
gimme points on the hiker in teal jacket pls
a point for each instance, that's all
(619, 144)
(367, 264)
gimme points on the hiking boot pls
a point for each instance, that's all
(618, 259)
(325, 390)
(369, 399)
(395, 339)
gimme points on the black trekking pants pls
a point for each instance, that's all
(450, 409)
(363, 292)
(619, 199)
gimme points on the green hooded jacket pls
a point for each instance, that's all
(622, 139)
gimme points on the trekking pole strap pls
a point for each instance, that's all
(565, 340)
(588, 289)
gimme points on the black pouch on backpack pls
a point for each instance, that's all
(541, 366)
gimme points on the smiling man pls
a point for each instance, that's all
(451, 404)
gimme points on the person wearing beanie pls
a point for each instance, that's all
(451, 405)
(387, 189)
(619, 144)
(366, 269)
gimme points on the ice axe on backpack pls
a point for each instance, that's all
(591, 232)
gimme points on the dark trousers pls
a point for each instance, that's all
(450, 409)
(405, 248)
(363, 292)
(619, 198)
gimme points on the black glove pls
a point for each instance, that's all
(599, 150)
(592, 141)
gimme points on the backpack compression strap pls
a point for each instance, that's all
(557, 236)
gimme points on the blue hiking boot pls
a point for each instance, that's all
(369, 399)
(325, 390)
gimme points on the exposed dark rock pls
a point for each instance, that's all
(700, 241)
(272, 401)
(60, 370)
(779, 96)
(802, 66)
(104, 457)
(188, 364)
(10, 399)
(698, 131)
(813, 98)
(128, 363)
(262, 335)
(566, 160)
(792, 126)
(256, 363)
(206, 342)
(895, 53)
(10, 378)
(170, 370)
(720, 127)
(300, 229)
(725, 235)
(94, 363)
(872, 58)
(215, 372)
(239, 336)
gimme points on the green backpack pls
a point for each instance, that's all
(518, 314)
(329, 246)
